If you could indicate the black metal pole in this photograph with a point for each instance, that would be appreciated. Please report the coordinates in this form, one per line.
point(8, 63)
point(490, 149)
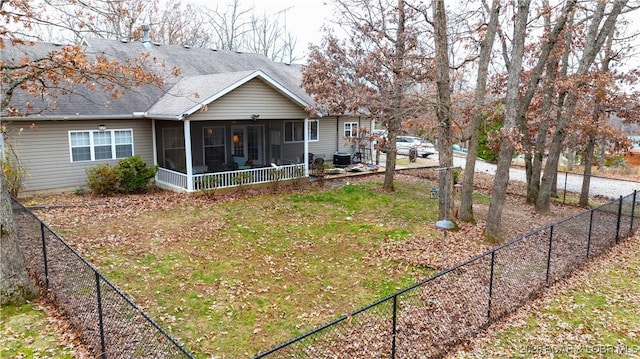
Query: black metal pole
point(44, 256)
point(493, 257)
point(633, 210)
point(590, 228)
point(564, 196)
point(549, 256)
point(619, 217)
point(103, 351)
point(393, 335)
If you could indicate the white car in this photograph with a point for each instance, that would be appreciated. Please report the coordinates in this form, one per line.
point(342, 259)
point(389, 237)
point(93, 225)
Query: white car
point(405, 143)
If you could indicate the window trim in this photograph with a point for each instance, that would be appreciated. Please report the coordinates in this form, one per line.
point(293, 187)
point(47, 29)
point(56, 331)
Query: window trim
point(224, 145)
point(353, 129)
point(284, 130)
point(92, 145)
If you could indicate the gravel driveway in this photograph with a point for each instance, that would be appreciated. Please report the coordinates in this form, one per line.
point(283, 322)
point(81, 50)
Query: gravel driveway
point(606, 187)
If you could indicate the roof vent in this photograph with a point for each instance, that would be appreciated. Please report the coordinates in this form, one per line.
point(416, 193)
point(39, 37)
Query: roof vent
point(146, 38)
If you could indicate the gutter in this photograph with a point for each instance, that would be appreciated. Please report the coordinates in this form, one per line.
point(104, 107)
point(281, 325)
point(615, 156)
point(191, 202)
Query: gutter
point(135, 115)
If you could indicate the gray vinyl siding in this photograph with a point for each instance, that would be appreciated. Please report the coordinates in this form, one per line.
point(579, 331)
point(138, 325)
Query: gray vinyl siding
point(254, 97)
point(44, 151)
point(325, 147)
point(332, 136)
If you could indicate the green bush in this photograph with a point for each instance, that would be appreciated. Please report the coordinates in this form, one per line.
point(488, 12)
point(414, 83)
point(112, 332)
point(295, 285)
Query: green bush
point(14, 173)
point(103, 180)
point(614, 161)
point(134, 175)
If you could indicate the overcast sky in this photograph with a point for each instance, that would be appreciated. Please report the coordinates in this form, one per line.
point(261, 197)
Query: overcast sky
point(304, 18)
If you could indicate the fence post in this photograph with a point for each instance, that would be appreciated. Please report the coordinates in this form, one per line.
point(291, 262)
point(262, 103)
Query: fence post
point(619, 217)
point(549, 256)
point(103, 350)
point(393, 335)
point(44, 256)
point(493, 257)
point(633, 210)
point(564, 196)
point(590, 228)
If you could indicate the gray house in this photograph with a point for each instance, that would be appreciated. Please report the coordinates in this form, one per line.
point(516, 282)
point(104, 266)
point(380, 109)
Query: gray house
point(227, 113)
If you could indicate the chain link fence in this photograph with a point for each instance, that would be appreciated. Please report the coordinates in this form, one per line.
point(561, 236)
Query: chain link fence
point(106, 320)
point(428, 318)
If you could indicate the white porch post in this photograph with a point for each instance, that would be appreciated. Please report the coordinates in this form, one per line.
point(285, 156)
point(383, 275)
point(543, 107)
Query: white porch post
point(153, 142)
point(187, 153)
point(306, 146)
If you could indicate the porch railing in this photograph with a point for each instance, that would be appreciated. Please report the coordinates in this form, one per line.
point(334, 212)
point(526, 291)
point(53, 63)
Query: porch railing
point(217, 180)
point(172, 178)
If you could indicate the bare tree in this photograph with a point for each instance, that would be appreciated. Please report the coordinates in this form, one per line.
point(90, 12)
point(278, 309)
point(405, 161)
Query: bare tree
point(107, 19)
point(230, 25)
point(601, 25)
point(512, 103)
point(269, 37)
point(177, 24)
point(379, 69)
point(516, 105)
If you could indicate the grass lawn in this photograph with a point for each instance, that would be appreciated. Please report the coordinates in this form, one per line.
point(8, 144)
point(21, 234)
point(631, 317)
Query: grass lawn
point(231, 278)
point(26, 332)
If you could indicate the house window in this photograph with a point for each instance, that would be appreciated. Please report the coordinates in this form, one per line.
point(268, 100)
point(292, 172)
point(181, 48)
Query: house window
point(173, 149)
point(100, 145)
point(294, 131)
point(214, 145)
point(350, 129)
point(238, 142)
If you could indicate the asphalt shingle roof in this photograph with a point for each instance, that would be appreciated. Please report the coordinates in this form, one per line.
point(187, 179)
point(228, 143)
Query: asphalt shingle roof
point(202, 71)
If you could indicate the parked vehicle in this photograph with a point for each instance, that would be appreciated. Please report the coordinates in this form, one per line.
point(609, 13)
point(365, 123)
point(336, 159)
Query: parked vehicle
point(404, 144)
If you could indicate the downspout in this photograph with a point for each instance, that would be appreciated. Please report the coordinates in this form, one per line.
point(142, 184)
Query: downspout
point(337, 134)
point(187, 150)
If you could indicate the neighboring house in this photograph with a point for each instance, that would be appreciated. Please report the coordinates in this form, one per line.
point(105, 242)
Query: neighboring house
point(227, 113)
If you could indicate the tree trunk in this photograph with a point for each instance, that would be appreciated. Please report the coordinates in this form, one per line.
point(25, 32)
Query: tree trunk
point(466, 200)
point(398, 91)
point(595, 116)
point(554, 181)
point(543, 204)
point(15, 285)
point(501, 179)
point(390, 161)
point(570, 154)
point(443, 110)
point(533, 168)
point(586, 178)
